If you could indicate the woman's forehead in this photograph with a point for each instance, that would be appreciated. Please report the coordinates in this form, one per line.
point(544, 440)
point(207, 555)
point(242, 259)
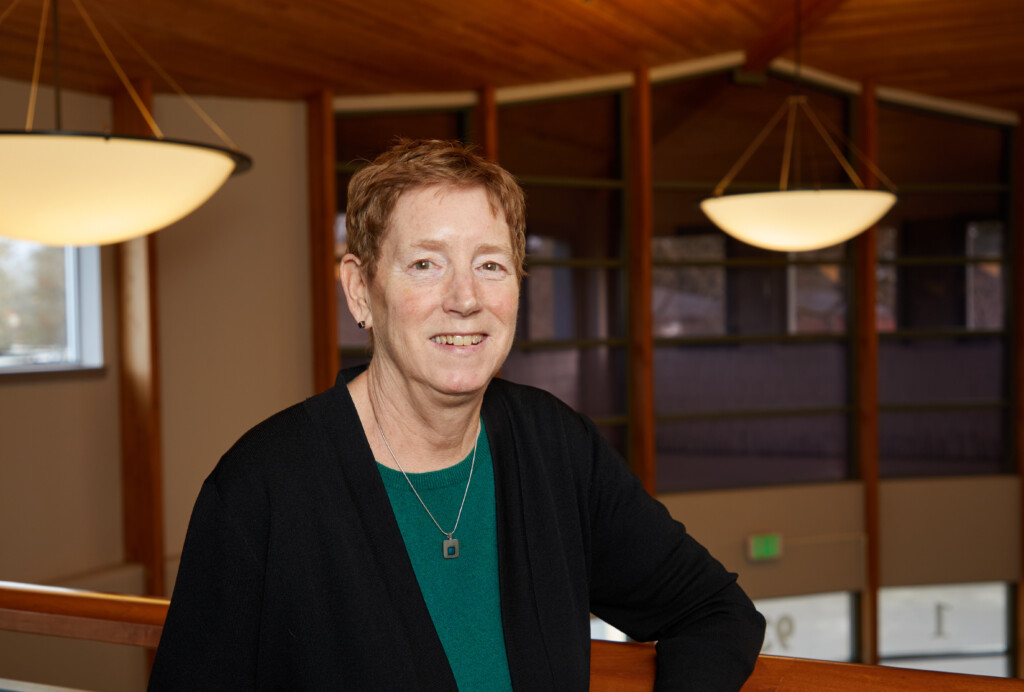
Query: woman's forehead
point(436, 217)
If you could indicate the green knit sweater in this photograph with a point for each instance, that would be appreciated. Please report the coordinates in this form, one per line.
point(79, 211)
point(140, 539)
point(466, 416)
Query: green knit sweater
point(461, 593)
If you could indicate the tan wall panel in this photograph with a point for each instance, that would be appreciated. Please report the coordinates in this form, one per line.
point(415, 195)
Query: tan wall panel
point(821, 528)
point(950, 530)
point(233, 296)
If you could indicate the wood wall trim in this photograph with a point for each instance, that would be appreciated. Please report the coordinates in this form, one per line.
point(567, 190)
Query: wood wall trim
point(866, 382)
point(641, 329)
point(141, 448)
point(487, 122)
point(323, 208)
point(1016, 319)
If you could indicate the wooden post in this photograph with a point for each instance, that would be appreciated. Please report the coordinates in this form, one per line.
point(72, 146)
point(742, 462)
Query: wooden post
point(487, 122)
point(141, 455)
point(865, 384)
point(323, 208)
point(1016, 319)
point(641, 331)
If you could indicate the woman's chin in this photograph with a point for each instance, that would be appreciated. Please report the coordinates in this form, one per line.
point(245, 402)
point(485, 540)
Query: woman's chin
point(463, 383)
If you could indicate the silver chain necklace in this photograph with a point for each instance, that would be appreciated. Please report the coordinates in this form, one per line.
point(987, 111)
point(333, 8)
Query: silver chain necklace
point(450, 546)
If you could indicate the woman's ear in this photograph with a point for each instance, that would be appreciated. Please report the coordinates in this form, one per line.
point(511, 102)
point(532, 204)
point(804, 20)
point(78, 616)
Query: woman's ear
point(357, 289)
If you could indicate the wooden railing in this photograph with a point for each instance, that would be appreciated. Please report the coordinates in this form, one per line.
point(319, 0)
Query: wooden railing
point(614, 667)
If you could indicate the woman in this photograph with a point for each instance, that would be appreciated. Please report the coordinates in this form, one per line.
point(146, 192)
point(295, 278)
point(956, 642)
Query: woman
point(423, 525)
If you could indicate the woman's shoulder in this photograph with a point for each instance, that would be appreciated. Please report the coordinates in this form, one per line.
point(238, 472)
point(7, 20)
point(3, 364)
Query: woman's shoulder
point(281, 449)
point(262, 449)
point(514, 391)
point(534, 408)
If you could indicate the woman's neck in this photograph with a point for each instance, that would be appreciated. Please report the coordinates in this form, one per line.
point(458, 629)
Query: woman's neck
point(423, 432)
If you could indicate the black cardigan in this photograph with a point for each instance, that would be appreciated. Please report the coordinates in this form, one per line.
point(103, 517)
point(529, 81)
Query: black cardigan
point(294, 575)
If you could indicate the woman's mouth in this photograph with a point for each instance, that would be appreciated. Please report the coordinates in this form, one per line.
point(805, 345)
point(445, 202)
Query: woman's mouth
point(458, 339)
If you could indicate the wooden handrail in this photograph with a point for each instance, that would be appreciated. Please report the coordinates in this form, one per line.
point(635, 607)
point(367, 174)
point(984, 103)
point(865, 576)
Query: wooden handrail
point(614, 667)
point(109, 618)
point(617, 667)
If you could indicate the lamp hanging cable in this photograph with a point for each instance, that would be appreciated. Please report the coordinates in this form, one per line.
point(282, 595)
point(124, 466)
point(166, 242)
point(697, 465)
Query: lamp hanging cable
point(157, 132)
point(169, 80)
point(36, 67)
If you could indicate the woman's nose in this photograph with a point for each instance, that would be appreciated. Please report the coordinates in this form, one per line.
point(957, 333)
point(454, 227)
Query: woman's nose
point(462, 293)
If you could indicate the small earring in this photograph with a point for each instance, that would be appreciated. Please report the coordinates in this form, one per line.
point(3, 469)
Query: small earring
point(361, 324)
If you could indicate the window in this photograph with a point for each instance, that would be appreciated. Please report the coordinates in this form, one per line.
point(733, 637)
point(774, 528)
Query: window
point(818, 626)
point(50, 315)
point(957, 628)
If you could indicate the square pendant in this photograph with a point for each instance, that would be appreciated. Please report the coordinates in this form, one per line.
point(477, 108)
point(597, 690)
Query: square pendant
point(450, 548)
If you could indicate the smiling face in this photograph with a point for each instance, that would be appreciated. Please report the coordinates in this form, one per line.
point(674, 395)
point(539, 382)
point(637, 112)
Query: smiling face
point(443, 300)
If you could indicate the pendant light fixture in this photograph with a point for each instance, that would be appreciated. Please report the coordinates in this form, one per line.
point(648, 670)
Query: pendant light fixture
point(61, 187)
point(796, 220)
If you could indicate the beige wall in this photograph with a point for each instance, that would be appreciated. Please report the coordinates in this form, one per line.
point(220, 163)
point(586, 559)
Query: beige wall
point(234, 296)
point(821, 528)
point(933, 531)
point(950, 530)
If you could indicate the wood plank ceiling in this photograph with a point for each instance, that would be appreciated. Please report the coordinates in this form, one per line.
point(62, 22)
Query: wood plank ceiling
point(970, 51)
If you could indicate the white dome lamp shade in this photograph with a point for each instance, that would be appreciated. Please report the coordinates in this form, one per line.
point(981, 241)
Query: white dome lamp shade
point(67, 188)
point(798, 220)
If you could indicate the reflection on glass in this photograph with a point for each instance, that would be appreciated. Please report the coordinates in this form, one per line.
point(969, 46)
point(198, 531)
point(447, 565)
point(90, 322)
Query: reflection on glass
point(936, 282)
point(731, 453)
point(885, 278)
point(562, 302)
point(985, 280)
point(688, 301)
point(817, 299)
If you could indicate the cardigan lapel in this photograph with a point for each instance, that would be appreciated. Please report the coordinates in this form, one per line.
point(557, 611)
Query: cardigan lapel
point(336, 414)
point(530, 664)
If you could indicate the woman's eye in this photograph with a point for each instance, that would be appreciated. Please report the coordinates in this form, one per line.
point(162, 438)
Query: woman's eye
point(492, 266)
point(421, 264)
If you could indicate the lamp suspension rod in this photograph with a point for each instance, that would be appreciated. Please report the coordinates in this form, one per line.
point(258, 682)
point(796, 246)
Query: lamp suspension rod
point(787, 149)
point(58, 120)
point(832, 146)
point(720, 188)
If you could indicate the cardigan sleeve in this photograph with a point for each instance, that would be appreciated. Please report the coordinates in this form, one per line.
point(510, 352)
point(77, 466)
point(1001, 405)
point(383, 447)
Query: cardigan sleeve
point(210, 638)
point(653, 581)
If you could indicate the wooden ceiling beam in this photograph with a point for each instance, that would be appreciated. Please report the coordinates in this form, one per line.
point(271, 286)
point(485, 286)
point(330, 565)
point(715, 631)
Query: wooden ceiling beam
point(781, 35)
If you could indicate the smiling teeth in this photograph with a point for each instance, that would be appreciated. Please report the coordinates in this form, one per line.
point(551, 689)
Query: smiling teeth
point(458, 339)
